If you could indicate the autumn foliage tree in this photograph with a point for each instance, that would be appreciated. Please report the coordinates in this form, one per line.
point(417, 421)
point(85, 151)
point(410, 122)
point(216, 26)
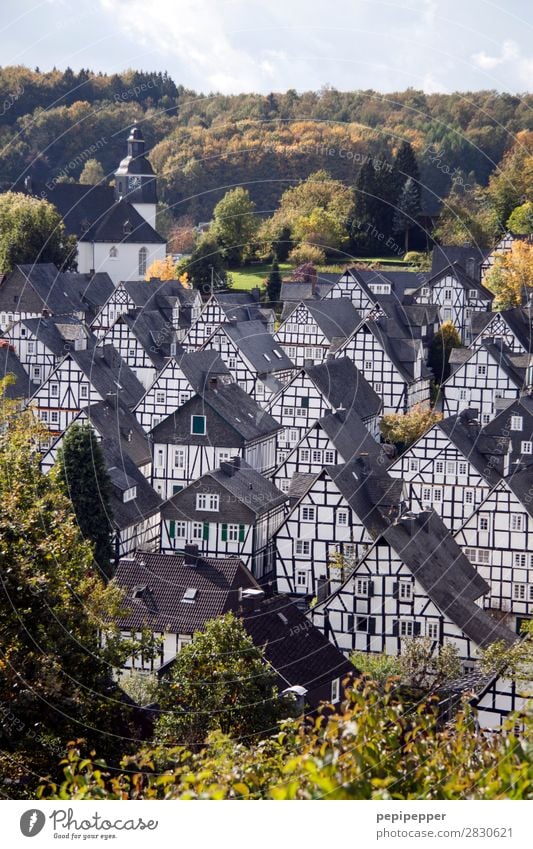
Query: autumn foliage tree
point(161, 269)
point(511, 276)
point(402, 429)
point(444, 341)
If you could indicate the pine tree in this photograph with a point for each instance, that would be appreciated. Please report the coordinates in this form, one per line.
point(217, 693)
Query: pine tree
point(407, 210)
point(405, 166)
point(273, 286)
point(81, 469)
point(367, 224)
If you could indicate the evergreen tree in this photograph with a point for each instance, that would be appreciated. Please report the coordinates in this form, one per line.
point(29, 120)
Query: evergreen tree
point(367, 224)
point(81, 470)
point(405, 166)
point(442, 345)
point(407, 210)
point(205, 267)
point(273, 286)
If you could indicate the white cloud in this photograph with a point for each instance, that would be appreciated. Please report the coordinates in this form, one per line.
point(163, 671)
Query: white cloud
point(509, 52)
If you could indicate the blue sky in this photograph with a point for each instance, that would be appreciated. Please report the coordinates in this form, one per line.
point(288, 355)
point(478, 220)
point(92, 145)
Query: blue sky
point(246, 45)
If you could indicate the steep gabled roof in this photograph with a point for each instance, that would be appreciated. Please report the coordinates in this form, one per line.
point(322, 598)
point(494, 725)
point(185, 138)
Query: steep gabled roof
point(349, 435)
point(200, 366)
point(124, 475)
point(11, 365)
point(165, 578)
point(443, 256)
point(262, 351)
point(482, 450)
point(458, 272)
point(153, 332)
point(105, 369)
point(519, 321)
point(232, 405)
point(298, 652)
point(116, 423)
point(336, 317)
point(121, 224)
point(343, 385)
point(374, 496)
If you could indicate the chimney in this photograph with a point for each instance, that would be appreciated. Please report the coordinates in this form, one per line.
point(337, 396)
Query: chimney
point(425, 520)
point(192, 555)
point(330, 357)
point(213, 383)
point(309, 363)
point(227, 468)
point(408, 521)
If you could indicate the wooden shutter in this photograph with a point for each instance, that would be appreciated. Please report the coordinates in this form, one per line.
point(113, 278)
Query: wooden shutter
point(395, 628)
point(395, 590)
point(224, 532)
point(372, 625)
point(172, 529)
point(305, 403)
point(416, 629)
point(206, 531)
point(371, 588)
point(241, 533)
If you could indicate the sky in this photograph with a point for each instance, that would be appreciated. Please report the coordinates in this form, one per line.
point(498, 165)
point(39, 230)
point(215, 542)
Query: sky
point(235, 46)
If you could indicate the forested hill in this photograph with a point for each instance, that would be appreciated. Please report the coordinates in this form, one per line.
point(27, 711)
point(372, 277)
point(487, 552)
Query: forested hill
point(202, 144)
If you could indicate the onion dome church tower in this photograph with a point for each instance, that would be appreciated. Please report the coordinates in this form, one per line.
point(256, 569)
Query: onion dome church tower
point(135, 180)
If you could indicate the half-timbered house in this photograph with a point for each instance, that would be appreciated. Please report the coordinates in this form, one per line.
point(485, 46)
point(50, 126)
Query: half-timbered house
point(498, 539)
point(254, 357)
point(215, 425)
point(413, 581)
point(41, 290)
point(390, 360)
point(145, 341)
point(452, 467)
point(457, 295)
point(319, 389)
point(41, 343)
point(309, 329)
point(330, 441)
point(486, 379)
point(226, 306)
point(514, 426)
point(233, 510)
point(182, 376)
point(333, 523)
point(514, 327)
point(82, 378)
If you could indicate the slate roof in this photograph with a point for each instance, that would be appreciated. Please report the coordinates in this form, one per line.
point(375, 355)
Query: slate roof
point(343, 385)
point(520, 482)
point(444, 255)
point(78, 205)
point(108, 373)
point(336, 317)
point(262, 351)
point(153, 332)
point(201, 366)
point(434, 558)
point(11, 365)
point(233, 405)
point(116, 423)
point(374, 496)
point(242, 484)
point(166, 578)
point(462, 277)
point(402, 350)
point(59, 333)
point(61, 293)
point(298, 652)
point(121, 224)
point(484, 451)
point(300, 291)
point(242, 306)
point(499, 428)
point(403, 283)
point(519, 320)
point(125, 474)
point(349, 435)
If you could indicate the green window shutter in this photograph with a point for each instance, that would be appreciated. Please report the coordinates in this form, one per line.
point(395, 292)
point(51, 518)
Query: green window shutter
point(241, 533)
point(305, 403)
point(206, 531)
point(224, 532)
point(176, 487)
point(172, 529)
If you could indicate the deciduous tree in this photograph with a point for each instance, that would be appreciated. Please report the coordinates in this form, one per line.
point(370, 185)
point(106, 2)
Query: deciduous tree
point(31, 230)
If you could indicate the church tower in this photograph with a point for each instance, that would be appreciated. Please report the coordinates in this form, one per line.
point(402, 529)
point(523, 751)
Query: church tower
point(135, 180)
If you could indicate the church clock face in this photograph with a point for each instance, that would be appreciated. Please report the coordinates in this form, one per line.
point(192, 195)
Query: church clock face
point(134, 183)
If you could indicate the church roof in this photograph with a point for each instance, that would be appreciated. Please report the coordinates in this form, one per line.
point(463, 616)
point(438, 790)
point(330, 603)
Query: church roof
point(122, 223)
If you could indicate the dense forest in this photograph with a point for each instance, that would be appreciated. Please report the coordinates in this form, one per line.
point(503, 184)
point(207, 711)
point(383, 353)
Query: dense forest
point(201, 144)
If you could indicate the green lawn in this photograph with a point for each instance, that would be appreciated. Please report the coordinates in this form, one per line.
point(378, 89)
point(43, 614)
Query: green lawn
point(249, 276)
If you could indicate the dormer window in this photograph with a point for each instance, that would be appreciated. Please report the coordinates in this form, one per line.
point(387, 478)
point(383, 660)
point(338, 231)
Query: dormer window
point(113, 252)
point(129, 494)
point(128, 229)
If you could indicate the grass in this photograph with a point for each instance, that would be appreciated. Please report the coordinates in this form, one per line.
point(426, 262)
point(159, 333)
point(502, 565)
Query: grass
point(249, 276)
